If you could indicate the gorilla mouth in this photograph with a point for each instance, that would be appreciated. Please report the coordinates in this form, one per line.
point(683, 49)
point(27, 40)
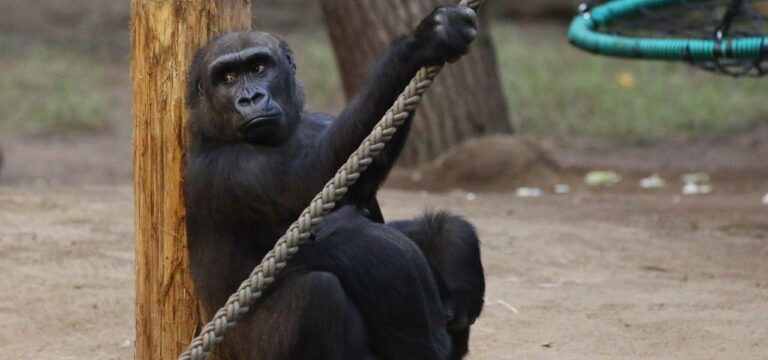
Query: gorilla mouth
point(257, 122)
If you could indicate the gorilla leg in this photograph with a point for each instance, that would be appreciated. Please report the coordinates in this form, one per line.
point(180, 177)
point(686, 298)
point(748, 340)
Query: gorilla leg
point(452, 249)
point(387, 277)
point(308, 316)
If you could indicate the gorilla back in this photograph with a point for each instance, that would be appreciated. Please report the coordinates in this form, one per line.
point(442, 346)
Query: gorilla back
point(256, 159)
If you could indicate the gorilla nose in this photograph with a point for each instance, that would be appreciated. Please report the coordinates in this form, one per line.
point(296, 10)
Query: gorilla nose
point(250, 103)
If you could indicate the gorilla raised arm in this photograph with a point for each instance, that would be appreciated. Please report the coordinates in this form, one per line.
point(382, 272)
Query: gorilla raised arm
point(361, 289)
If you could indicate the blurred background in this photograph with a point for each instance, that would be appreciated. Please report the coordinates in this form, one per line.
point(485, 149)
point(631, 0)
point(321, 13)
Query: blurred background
point(65, 96)
point(621, 204)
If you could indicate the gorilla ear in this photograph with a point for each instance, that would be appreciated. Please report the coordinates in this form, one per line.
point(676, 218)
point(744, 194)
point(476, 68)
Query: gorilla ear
point(194, 90)
point(291, 63)
point(194, 80)
point(288, 53)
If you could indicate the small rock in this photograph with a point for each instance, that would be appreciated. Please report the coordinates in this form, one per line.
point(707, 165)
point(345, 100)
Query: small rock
point(562, 189)
point(696, 189)
point(696, 183)
point(471, 196)
point(765, 199)
point(527, 192)
point(652, 182)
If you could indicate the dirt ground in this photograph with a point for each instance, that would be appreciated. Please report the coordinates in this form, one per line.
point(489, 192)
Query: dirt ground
point(615, 274)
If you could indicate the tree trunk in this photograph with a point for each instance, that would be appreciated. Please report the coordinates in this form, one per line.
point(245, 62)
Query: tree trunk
point(164, 36)
point(466, 100)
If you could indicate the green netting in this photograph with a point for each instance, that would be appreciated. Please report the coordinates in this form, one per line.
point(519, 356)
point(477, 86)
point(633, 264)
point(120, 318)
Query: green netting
point(726, 36)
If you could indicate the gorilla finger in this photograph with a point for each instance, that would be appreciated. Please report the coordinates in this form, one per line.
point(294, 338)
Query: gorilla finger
point(470, 16)
point(441, 18)
point(469, 34)
point(441, 31)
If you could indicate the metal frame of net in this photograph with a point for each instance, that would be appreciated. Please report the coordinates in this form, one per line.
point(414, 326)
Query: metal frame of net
point(724, 36)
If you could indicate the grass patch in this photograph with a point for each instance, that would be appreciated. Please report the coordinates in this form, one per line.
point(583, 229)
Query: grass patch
point(553, 90)
point(45, 90)
point(557, 90)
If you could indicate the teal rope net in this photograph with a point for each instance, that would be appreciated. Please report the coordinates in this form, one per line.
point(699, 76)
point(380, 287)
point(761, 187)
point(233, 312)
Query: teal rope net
point(724, 36)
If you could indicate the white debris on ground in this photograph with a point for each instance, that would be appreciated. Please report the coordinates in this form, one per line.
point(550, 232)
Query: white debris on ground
point(508, 306)
point(528, 192)
point(604, 178)
point(652, 182)
point(696, 184)
point(697, 178)
point(471, 196)
point(561, 189)
point(696, 189)
point(765, 199)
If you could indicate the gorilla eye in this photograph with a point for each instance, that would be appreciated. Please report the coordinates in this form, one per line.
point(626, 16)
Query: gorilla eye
point(259, 69)
point(230, 78)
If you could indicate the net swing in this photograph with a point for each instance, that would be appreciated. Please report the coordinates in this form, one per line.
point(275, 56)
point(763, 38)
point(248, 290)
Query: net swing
point(723, 36)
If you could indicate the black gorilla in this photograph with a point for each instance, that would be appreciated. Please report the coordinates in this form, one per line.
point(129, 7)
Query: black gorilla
point(361, 289)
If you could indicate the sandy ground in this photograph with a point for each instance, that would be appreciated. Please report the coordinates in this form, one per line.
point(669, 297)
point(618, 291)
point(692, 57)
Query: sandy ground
point(611, 274)
point(579, 276)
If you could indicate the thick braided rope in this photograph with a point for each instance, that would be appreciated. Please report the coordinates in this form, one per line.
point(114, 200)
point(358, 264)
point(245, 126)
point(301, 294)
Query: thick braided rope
point(276, 259)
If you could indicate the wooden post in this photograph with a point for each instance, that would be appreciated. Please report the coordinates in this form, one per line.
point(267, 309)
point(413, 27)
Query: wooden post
point(164, 36)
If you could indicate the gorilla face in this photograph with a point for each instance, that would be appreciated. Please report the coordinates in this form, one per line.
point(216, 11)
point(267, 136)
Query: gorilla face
point(245, 90)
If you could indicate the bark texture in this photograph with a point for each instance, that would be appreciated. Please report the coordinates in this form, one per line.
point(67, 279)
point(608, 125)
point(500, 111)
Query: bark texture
point(164, 36)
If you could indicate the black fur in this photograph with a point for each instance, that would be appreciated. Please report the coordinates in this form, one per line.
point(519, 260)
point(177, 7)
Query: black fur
point(452, 250)
point(361, 289)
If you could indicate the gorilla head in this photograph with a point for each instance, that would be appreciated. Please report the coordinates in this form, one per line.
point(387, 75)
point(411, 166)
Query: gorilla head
point(247, 80)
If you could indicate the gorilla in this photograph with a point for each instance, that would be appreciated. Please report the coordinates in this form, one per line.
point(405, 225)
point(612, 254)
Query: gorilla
point(361, 288)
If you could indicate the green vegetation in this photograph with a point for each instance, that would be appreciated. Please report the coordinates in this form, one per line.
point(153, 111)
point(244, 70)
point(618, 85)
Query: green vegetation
point(557, 90)
point(45, 90)
point(553, 91)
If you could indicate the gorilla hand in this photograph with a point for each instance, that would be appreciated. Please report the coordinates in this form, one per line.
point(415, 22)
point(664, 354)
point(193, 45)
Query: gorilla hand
point(445, 34)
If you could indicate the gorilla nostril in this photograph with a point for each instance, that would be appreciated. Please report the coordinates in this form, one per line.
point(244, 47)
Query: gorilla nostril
point(250, 98)
point(244, 102)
